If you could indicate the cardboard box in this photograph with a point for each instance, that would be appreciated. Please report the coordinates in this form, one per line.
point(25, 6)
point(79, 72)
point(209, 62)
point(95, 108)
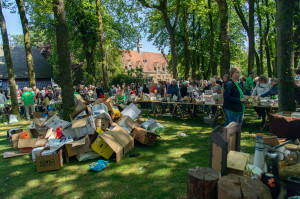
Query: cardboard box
point(236, 162)
point(102, 148)
point(78, 147)
point(12, 154)
point(119, 141)
point(55, 122)
point(127, 123)
point(107, 101)
point(37, 115)
point(78, 99)
point(38, 122)
point(144, 136)
point(15, 139)
point(131, 111)
point(115, 113)
point(48, 162)
point(26, 143)
point(209, 92)
point(80, 128)
point(102, 123)
point(85, 108)
point(98, 109)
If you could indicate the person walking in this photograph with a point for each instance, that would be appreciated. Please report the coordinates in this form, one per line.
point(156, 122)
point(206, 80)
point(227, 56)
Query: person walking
point(249, 86)
point(234, 100)
point(28, 99)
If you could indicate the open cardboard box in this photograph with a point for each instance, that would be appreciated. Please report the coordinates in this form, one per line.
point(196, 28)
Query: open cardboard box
point(78, 147)
point(127, 123)
point(80, 128)
point(118, 140)
point(48, 162)
point(107, 101)
point(37, 140)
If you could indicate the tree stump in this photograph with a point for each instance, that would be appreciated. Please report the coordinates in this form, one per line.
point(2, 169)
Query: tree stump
point(236, 187)
point(202, 183)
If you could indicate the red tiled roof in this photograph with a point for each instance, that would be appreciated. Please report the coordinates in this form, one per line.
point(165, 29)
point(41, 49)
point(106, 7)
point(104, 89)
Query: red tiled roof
point(152, 59)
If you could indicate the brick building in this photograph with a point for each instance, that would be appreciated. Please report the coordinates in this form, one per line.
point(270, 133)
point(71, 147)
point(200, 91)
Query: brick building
point(154, 64)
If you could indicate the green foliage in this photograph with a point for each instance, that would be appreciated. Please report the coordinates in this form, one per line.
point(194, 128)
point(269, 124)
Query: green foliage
point(131, 76)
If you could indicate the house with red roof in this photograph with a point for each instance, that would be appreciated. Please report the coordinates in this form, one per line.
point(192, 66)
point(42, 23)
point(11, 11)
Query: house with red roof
point(154, 64)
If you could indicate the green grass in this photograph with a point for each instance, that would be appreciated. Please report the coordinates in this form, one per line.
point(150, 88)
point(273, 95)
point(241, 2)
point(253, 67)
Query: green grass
point(163, 174)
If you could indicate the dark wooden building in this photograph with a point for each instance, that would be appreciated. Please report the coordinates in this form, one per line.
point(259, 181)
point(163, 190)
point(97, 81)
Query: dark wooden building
point(43, 70)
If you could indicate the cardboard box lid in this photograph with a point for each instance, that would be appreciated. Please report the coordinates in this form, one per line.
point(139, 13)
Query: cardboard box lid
point(132, 111)
point(41, 142)
point(50, 134)
point(237, 160)
point(24, 143)
point(119, 141)
point(99, 109)
point(80, 99)
point(84, 108)
point(79, 142)
point(80, 105)
point(79, 123)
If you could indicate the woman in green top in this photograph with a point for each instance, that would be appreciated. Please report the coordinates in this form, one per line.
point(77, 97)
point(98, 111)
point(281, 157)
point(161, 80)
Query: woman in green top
point(121, 98)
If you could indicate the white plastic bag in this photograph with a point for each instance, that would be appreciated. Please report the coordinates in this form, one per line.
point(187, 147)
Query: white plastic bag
point(13, 119)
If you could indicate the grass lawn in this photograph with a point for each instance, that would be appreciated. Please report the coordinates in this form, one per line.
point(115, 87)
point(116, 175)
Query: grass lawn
point(160, 171)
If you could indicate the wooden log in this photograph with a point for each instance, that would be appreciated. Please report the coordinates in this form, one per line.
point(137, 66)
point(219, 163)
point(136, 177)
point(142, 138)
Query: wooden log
point(236, 187)
point(202, 183)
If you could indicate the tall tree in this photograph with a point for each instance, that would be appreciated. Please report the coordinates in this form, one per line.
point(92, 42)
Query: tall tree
point(162, 7)
point(260, 68)
point(284, 25)
point(103, 50)
point(212, 62)
point(251, 41)
point(250, 33)
point(9, 66)
point(64, 58)
point(224, 36)
point(186, 40)
point(266, 40)
point(27, 41)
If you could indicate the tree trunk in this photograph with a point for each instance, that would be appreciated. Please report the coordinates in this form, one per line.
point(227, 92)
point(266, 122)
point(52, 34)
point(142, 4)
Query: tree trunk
point(284, 27)
point(273, 60)
point(27, 41)
point(297, 35)
point(212, 62)
point(103, 50)
point(194, 63)
point(64, 62)
point(186, 41)
point(224, 37)
point(251, 42)
point(90, 61)
point(9, 66)
point(260, 65)
point(266, 38)
point(162, 7)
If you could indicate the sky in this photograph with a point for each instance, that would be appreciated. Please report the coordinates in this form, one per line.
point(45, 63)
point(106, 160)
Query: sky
point(14, 27)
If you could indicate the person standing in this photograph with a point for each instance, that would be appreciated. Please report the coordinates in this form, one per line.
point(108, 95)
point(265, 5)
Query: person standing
point(99, 91)
point(234, 100)
point(28, 101)
point(297, 86)
point(249, 84)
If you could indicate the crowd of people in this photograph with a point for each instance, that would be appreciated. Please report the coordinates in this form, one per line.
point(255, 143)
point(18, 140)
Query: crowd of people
point(235, 89)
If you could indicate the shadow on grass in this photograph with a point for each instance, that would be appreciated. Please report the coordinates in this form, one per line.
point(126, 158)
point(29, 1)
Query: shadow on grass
point(160, 171)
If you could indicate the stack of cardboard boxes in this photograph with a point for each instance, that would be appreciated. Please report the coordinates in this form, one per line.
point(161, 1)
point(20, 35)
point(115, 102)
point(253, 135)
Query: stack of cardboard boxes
point(96, 130)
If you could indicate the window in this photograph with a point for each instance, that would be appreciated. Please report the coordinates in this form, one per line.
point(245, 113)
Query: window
point(126, 67)
point(158, 80)
point(130, 67)
point(167, 80)
point(158, 69)
point(154, 68)
point(163, 69)
point(145, 61)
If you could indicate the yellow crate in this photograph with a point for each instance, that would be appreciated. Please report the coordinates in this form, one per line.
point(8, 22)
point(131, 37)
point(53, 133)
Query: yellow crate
point(98, 130)
point(100, 147)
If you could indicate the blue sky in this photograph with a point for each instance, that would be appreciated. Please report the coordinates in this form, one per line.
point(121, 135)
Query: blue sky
point(14, 27)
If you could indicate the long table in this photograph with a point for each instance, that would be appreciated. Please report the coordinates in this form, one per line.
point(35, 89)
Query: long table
point(160, 107)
